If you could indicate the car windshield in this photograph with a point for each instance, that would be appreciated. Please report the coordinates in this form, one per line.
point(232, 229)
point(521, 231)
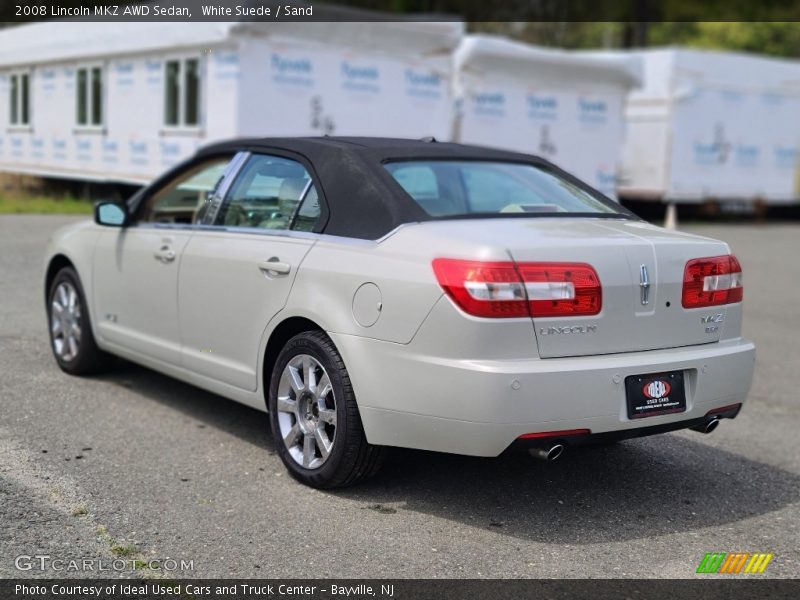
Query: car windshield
point(445, 188)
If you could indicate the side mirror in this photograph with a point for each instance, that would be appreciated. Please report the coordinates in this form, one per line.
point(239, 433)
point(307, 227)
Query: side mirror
point(110, 214)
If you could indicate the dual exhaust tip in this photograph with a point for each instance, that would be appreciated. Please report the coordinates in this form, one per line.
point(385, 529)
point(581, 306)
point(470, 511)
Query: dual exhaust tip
point(552, 452)
point(548, 453)
point(708, 426)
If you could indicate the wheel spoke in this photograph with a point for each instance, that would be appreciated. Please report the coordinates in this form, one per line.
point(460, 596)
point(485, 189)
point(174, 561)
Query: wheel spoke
point(73, 346)
point(286, 404)
point(56, 327)
point(294, 380)
point(73, 298)
point(323, 387)
point(57, 307)
point(61, 292)
point(327, 416)
point(308, 450)
point(323, 443)
point(309, 373)
point(293, 437)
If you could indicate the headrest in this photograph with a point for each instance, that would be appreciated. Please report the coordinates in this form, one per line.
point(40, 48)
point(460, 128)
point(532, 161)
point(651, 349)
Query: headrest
point(291, 189)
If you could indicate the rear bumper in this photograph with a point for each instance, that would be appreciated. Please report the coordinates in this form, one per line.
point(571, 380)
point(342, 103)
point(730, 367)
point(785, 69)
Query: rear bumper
point(726, 412)
point(411, 398)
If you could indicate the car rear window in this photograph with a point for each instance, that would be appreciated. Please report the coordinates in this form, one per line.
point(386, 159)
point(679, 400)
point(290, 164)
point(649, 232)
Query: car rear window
point(445, 188)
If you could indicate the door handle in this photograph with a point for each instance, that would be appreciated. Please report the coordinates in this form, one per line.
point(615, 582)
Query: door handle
point(274, 266)
point(165, 254)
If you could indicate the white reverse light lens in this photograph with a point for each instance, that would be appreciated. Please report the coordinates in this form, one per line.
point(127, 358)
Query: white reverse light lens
point(550, 290)
point(484, 290)
point(713, 283)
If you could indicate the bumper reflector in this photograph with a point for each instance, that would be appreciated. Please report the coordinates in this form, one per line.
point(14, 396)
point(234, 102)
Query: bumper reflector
point(554, 434)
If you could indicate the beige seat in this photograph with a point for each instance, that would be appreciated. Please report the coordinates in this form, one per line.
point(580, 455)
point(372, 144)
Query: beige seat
point(288, 198)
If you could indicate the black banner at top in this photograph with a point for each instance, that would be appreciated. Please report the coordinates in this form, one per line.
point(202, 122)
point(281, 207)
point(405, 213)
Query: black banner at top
point(186, 11)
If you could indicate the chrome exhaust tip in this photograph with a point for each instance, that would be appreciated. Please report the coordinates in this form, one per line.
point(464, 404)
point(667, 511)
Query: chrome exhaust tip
point(547, 452)
point(708, 426)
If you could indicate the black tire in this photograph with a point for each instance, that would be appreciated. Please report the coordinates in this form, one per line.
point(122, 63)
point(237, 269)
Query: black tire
point(351, 458)
point(88, 359)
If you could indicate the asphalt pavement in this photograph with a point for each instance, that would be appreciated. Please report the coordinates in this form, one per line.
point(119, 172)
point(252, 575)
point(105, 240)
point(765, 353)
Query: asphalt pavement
point(136, 466)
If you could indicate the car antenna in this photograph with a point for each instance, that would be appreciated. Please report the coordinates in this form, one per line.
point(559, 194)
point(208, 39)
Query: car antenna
point(429, 139)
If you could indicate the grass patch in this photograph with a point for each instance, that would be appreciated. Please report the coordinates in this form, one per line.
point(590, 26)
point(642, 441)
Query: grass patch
point(43, 205)
point(120, 550)
point(117, 549)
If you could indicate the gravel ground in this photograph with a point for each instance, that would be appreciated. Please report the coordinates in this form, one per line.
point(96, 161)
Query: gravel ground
point(138, 466)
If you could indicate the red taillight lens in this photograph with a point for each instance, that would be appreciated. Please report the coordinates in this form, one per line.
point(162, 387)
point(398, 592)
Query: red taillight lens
point(507, 289)
point(561, 289)
point(712, 281)
point(483, 289)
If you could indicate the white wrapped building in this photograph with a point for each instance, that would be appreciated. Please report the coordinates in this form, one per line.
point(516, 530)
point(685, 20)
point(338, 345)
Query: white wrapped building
point(123, 101)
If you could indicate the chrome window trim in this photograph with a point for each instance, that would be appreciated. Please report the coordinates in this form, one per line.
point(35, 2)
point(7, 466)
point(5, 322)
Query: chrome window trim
point(165, 226)
point(291, 233)
point(218, 199)
point(223, 229)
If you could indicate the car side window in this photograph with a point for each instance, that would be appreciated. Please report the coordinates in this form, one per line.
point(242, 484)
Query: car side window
point(185, 198)
point(309, 211)
point(271, 192)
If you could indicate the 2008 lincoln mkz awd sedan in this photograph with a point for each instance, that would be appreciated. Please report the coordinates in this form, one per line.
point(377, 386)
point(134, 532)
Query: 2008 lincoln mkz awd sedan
point(379, 292)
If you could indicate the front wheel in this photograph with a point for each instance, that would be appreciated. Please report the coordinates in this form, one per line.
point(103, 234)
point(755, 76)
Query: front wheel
point(314, 416)
point(71, 339)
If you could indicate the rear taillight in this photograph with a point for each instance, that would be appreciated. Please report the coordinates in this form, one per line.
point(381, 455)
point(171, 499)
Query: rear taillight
point(712, 281)
point(561, 289)
point(483, 289)
point(507, 289)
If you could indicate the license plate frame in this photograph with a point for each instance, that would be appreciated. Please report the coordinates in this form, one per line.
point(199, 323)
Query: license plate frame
point(655, 394)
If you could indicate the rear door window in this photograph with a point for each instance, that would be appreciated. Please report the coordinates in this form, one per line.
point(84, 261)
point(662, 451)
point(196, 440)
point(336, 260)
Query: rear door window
point(271, 192)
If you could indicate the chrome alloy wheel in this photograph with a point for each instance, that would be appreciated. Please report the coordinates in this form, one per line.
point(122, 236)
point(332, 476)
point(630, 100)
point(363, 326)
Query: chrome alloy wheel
point(65, 321)
point(306, 411)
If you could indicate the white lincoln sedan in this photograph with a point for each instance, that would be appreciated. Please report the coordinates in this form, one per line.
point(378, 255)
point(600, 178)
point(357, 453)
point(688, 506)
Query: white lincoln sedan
point(377, 292)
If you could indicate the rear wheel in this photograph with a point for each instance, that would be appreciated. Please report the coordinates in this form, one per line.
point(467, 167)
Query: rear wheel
point(71, 339)
point(314, 416)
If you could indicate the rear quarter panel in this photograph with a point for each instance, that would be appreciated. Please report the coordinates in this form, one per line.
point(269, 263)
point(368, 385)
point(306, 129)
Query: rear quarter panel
point(334, 270)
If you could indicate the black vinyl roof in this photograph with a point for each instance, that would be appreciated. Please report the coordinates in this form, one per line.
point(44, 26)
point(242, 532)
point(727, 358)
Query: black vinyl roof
point(363, 199)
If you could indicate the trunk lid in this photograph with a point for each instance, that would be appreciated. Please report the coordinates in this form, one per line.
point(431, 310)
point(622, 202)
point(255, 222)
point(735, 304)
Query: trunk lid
point(621, 252)
point(616, 249)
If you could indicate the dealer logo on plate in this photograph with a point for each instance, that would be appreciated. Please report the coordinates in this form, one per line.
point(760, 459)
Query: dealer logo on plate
point(656, 389)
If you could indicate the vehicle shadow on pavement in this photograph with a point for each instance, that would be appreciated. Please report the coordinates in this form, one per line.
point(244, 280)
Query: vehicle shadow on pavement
point(635, 489)
point(212, 410)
